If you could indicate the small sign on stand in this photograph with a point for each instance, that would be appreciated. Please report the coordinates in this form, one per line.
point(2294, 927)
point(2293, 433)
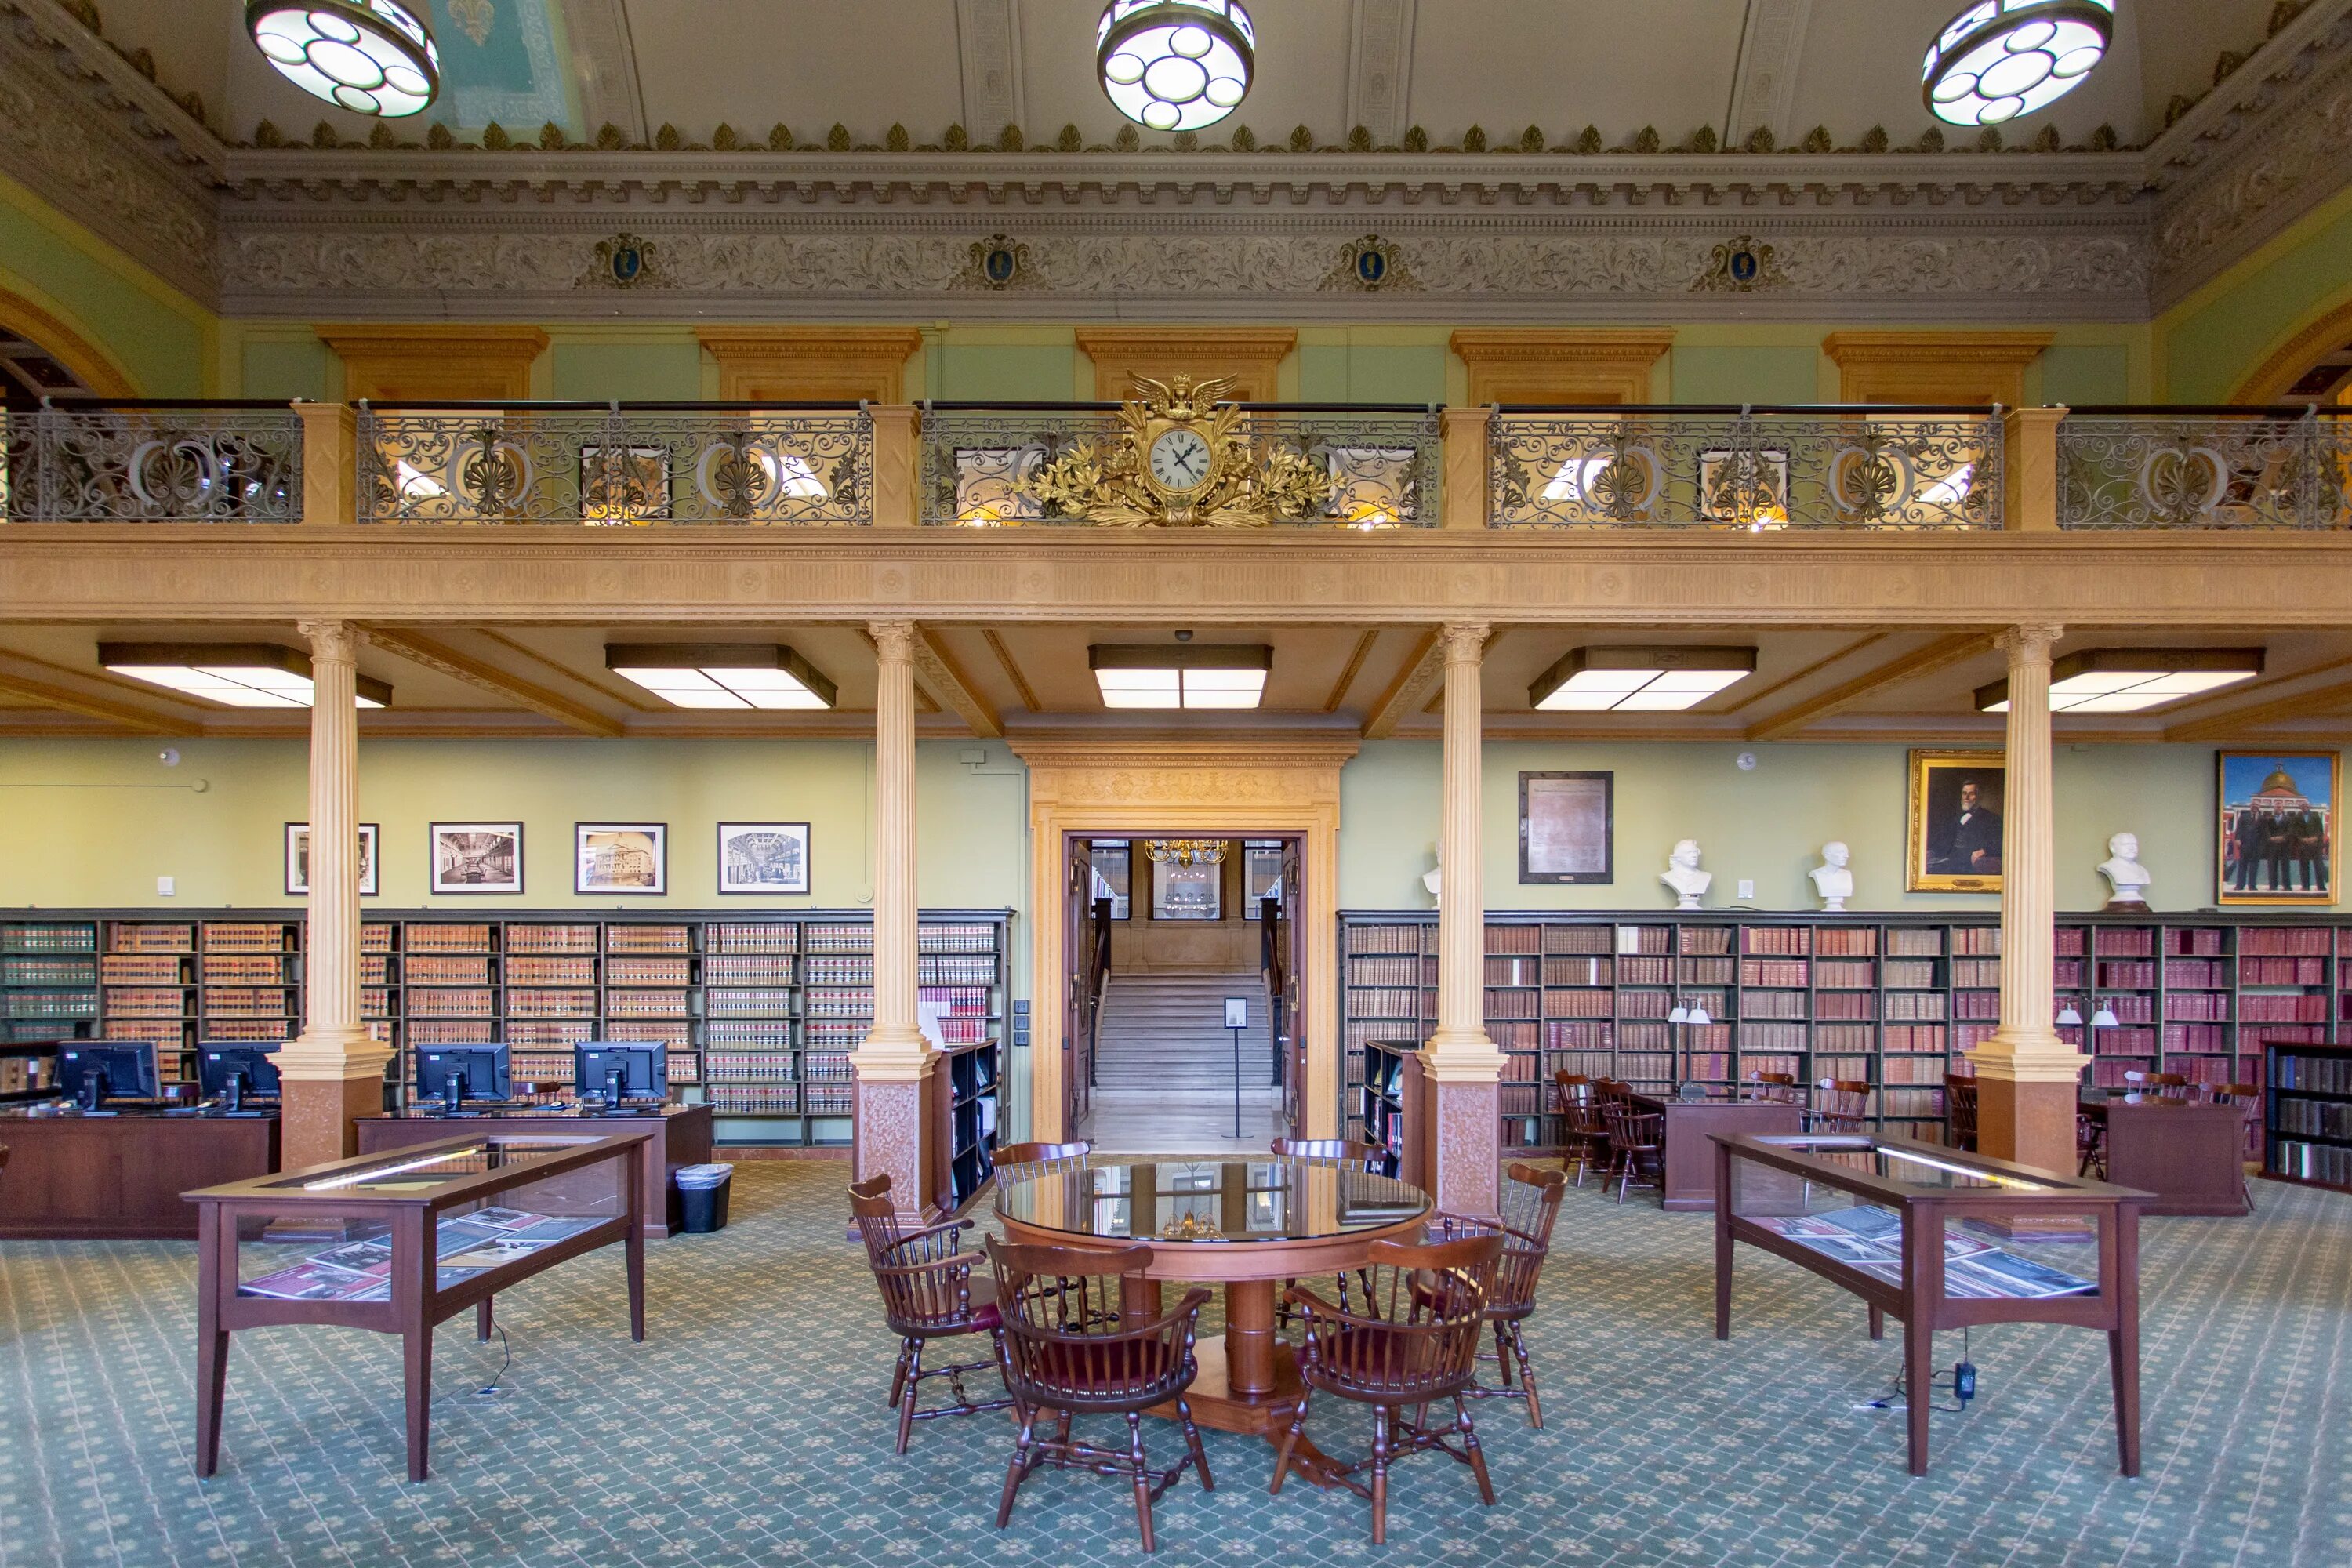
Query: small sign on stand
point(1237, 1020)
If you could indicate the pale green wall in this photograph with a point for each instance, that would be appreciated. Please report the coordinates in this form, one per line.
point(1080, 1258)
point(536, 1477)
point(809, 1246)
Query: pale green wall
point(1732, 372)
point(1007, 372)
point(632, 372)
point(1766, 825)
point(2216, 339)
point(162, 338)
point(65, 841)
point(290, 367)
point(2082, 374)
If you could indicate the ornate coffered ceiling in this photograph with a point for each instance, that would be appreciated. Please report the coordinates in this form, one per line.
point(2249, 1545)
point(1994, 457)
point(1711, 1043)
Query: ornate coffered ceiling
point(1529, 224)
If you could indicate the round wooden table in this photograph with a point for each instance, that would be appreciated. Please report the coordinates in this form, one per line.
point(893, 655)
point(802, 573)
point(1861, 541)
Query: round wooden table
point(1245, 1224)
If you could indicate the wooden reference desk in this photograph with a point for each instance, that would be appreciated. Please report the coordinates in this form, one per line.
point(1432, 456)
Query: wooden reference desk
point(2192, 1156)
point(118, 1174)
point(680, 1133)
point(399, 1242)
point(1691, 1125)
point(1942, 1239)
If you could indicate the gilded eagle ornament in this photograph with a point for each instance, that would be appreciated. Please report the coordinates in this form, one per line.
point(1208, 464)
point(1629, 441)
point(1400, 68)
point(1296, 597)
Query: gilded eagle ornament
point(1183, 459)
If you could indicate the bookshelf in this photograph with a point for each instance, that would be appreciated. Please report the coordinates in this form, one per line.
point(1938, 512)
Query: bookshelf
point(759, 1013)
point(2307, 1115)
point(1892, 1000)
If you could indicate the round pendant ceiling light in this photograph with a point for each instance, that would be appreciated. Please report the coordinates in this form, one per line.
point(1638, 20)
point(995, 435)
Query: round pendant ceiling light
point(1175, 65)
point(2001, 59)
point(372, 56)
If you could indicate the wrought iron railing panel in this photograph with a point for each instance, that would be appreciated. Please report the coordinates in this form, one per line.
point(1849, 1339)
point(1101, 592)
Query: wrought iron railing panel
point(1383, 463)
point(616, 464)
point(152, 462)
point(1745, 469)
point(2205, 468)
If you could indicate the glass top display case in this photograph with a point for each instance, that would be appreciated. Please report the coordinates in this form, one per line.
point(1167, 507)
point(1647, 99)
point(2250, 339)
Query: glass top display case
point(1940, 1238)
point(398, 1241)
point(1213, 1201)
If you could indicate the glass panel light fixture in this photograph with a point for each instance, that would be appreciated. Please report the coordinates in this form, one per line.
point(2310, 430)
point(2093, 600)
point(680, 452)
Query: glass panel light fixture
point(1184, 675)
point(235, 675)
point(1175, 65)
point(371, 56)
point(1630, 679)
point(2001, 59)
point(2130, 680)
point(721, 675)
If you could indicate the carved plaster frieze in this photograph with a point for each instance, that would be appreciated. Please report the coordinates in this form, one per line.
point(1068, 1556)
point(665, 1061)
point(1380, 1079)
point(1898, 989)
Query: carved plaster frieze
point(747, 267)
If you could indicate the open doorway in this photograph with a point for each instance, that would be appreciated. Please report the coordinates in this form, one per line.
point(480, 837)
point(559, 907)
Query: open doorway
point(1183, 986)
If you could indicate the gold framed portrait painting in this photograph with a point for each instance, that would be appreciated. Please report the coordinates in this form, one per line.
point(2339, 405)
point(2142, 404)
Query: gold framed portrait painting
point(2275, 839)
point(1956, 809)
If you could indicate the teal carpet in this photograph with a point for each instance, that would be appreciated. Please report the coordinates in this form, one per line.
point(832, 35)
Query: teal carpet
point(750, 1427)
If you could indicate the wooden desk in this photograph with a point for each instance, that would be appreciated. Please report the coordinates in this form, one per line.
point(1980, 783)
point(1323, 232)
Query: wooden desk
point(116, 1177)
point(311, 1232)
point(1691, 1127)
point(681, 1136)
point(2192, 1156)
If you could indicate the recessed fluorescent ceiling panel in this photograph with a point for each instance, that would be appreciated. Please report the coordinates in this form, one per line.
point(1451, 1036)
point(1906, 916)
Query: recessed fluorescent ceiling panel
point(721, 675)
point(1180, 675)
point(2129, 679)
point(235, 675)
point(1634, 680)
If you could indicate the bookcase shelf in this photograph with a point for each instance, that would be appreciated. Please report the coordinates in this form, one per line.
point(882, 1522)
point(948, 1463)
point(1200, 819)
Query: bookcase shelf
point(2307, 1115)
point(1894, 1000)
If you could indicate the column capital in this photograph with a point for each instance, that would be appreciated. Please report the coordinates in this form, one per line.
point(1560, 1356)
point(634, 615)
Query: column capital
point(2028, 644)
point(1464, 641)
point(893, 640)
point(332, 639)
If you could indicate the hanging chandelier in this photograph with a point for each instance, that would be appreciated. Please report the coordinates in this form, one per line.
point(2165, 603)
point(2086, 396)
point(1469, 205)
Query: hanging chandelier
point(2001, 59)
point(1175, 65)
point(372, 56)
point(1186, 851)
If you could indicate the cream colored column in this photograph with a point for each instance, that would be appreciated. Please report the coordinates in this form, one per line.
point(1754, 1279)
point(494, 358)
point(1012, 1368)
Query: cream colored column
point(1465, 432)
point(2026, 1073)
point(1461, 1063)
point(894, 1063)
point(2029, 486)
point(333, 1072)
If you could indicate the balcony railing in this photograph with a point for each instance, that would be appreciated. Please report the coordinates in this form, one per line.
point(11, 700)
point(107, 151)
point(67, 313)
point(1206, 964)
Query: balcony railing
point(2173, 467)
point(1381, 460)
point(1750, 469)
point(777, 465)
point(155, 461)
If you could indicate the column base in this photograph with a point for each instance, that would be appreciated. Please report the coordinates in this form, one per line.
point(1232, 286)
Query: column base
point(1463, 1143)
point(2027, 1087)
point(316, 1117)
point(896, 1128)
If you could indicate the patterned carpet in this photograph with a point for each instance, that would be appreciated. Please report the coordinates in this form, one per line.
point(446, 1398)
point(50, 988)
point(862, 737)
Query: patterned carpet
point(750, 1428)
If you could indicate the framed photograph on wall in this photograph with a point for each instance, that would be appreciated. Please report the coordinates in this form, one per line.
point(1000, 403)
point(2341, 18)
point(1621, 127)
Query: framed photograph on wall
point(477, 858)
point(763, 857)
point(1955, 837)
point(620, 858)
point(298, 859)
point(2276, 836)
point(1568, 827)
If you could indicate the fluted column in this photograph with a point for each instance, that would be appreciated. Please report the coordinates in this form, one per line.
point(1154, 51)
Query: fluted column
point(333, 1072)
point(897, 1112)
point(2026, 1073)
point(1460, 1063)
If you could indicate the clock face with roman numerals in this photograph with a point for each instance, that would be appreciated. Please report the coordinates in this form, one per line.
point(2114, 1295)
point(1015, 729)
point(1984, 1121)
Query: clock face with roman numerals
point(1180, 460)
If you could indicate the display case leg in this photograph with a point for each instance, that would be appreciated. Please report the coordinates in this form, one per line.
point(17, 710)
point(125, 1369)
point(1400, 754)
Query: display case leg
point(1918, 1388)
point(416, 1355)
point(482, 1324)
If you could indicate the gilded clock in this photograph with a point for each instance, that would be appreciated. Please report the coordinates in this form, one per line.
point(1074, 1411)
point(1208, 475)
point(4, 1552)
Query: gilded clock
point(1181, 460)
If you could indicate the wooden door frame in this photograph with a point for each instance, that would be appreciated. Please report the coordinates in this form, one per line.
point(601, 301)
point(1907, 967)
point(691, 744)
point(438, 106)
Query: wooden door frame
point(1266, 786)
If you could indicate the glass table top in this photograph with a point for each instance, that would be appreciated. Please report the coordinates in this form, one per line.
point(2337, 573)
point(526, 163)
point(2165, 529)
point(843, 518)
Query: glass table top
point(420, 1171)
point(1947, 1170)
point(1212, 1200)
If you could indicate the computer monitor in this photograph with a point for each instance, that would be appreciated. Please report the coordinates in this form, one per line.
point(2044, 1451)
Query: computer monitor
point(234, 1073)
point(643, 1067)
point(454, 1074)
point(95, 1071)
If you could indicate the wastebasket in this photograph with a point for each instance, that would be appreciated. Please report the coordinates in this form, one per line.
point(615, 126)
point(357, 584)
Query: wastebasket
point(700, 1194)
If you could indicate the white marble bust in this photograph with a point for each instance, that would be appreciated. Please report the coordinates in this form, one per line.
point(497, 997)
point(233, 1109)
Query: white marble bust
point(2124, 873)
point(1831, 878)
point(1683, 875)
point(1434, 878)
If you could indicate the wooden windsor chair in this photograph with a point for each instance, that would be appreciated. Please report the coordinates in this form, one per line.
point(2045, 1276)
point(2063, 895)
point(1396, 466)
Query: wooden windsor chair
point(1344, 1153)
point(1842, 1106)
point(927, 1293)
point(1637, 1143)
point(1410, 1343)
point(1069, 1348)
point(2248, 1098)
point(1961, 1112)
point(1779, 1087)
point(1583, 1140)
point(1531, 1197)
point(1017, 1162)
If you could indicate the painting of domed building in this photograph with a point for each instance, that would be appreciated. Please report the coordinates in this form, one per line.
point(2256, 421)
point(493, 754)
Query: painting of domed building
point(622, 858)
point(2277, 827)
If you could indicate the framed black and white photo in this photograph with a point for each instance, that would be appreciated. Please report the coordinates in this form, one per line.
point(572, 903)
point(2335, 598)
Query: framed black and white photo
point(1568, 827)
point(763, 857)
point(477, 858)
point(298, 859)
point(620, 858)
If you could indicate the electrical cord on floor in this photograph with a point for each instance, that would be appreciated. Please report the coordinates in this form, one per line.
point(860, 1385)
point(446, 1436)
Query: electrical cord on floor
point(489, 1389)
point(1960, 1383)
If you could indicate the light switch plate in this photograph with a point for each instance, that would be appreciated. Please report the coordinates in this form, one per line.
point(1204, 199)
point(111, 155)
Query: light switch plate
point(1747, 890)
point(166, 886)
